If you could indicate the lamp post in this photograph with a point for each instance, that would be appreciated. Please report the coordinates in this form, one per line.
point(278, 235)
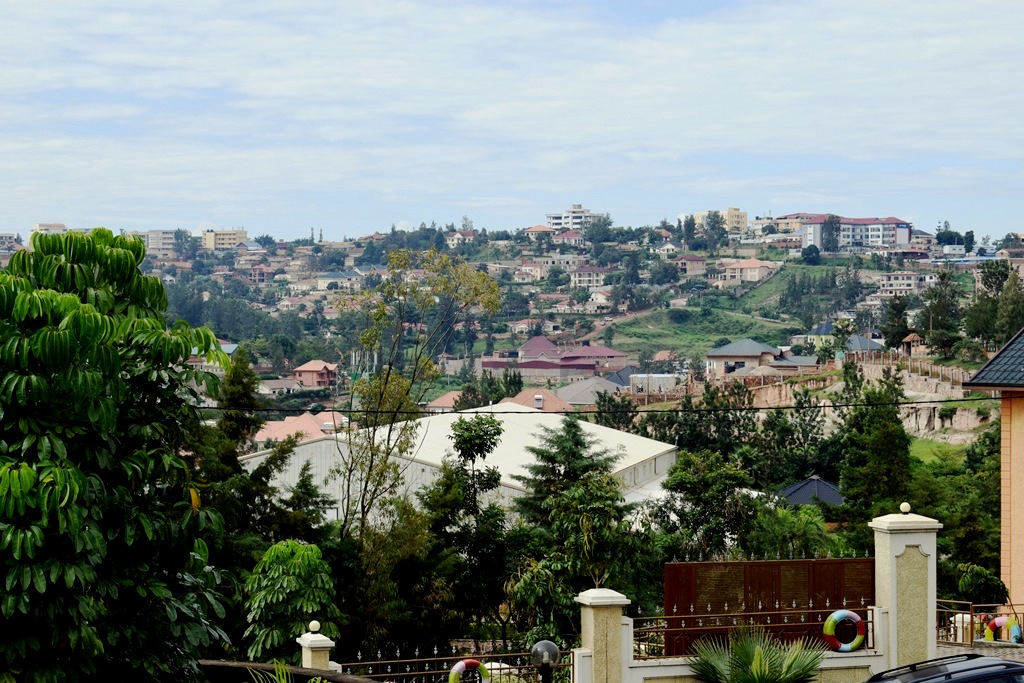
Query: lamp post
point(545, 655)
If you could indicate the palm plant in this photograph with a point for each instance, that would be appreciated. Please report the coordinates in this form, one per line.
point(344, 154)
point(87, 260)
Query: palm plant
point(752, 655)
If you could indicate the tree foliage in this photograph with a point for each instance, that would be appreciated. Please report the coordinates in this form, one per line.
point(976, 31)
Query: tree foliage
point(99, 523)
point(290, 586)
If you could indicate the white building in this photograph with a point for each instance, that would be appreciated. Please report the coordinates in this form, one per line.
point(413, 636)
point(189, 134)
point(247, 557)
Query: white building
point(641, 465)
point(573, 218)
point(854, 233)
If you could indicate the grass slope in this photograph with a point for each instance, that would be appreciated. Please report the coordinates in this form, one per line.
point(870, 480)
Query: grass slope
point(686, 331)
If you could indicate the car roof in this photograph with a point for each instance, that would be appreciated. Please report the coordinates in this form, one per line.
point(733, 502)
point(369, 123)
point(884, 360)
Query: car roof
point(955, 667)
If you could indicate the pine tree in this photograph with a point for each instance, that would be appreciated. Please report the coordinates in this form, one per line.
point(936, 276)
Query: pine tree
point(564, 457)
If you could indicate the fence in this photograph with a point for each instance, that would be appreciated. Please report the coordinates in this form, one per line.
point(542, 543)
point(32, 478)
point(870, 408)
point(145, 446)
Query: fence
point(502, 667)
point(790, 597)
point(963, 623)
point(675, 636)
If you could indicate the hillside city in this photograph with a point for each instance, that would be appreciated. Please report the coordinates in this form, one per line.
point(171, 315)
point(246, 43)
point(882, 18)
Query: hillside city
point(441, 435)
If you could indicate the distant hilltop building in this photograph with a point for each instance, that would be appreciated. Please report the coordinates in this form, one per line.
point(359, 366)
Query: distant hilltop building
point(224, 240)
point(854, 233)
point(735, 220)
point(573, 218)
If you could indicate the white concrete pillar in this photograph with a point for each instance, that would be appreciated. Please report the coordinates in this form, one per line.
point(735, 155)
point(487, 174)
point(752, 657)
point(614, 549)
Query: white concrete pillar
point(316, 648)
point(905, 580)
point(601, 633)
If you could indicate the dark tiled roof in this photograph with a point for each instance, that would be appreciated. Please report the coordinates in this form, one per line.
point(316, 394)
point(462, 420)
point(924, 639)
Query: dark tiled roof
point(808, 491)
point(1005, 369)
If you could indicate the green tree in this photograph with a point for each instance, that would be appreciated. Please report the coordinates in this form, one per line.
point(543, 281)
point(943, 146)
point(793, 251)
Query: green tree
point(470, 544)
point(592, 540)
point(714, 231)
point(994, 275)
point(830, 234)
point(942, 312)
point(99, 523)
point(617, 411)
point(875, 474)
point(564, 456)
point(783, 531)
point(290, 586)
point(705, 503)
point(811, 255)
point(894, 325)
point(511, 381)
point(1010, 310)
point(186, 245)
point(689, 231)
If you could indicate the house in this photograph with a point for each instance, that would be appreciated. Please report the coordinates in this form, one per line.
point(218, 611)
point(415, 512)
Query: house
point(811, 490)
point(668, 249)
point(583, 395)
point(539, 399)
point(306, 426)
point(569, 238)
point(538, 347)
point(278, 387)
point(749, 270)
point(445, 403)
point(316, 373)
point(739, 354)
point(538, 231)
point(690, 265)
point(459, 237)
point(345, 280)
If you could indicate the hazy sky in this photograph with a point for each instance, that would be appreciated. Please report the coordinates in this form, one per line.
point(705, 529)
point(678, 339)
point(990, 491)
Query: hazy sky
point(351, 116)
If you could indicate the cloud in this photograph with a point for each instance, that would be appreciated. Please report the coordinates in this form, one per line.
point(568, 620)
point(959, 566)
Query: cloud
point(203, 109)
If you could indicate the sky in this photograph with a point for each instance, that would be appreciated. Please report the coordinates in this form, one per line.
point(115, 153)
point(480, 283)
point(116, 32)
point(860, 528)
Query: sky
point(348, 117)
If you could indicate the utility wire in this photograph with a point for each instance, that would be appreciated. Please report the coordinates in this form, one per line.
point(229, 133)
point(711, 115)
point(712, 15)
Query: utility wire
point(638, 409)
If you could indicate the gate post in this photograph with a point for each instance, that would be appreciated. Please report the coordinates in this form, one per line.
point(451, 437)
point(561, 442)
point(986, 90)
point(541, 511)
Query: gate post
point(905, 580)
point(601, 633)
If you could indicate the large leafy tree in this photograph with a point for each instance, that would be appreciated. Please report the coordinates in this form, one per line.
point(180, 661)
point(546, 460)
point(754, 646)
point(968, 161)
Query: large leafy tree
point(100, 553)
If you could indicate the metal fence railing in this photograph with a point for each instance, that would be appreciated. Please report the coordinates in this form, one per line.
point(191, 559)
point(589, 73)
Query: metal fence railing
point(964, 623)
point(513, 667)
point(675, 636)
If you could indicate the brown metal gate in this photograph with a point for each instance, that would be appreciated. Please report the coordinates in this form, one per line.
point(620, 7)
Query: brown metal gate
point(791, 598)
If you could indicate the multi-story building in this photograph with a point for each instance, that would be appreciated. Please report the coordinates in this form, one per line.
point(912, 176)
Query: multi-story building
point(224, 240)
point(904, 282)
point(588, 276)
point(573, 218)
point(8, 240)
point(855, 233)
point(735, 220)
point(160, 243)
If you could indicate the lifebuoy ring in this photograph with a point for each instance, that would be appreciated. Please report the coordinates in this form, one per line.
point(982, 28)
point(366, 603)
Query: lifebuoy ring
point(830, 630)
point(468, 665)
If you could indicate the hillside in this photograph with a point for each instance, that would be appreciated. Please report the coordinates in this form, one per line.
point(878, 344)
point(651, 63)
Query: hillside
point(685, 331)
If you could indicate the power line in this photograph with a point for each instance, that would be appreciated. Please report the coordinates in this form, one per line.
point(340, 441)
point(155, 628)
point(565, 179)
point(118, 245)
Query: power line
point(657, 411)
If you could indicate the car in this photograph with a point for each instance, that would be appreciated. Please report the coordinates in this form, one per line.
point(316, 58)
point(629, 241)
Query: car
point(967, 668)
